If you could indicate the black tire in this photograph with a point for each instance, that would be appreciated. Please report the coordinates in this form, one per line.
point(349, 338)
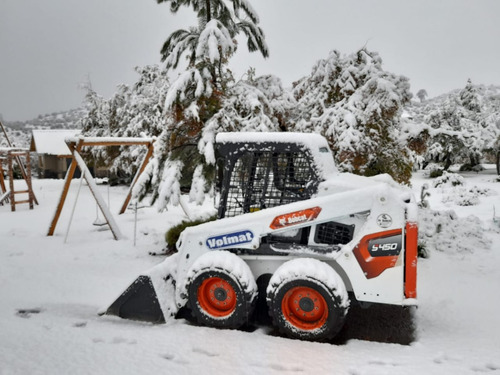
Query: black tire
point(218, 300)
point(261, 314)
point(306, 309)
point(498, 163)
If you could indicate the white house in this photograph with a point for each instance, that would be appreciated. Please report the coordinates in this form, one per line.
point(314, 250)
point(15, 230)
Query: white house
point(54, 155)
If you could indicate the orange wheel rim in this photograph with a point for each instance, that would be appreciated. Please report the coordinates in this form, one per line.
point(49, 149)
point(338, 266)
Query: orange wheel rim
point(305, 308)
point(217, 297)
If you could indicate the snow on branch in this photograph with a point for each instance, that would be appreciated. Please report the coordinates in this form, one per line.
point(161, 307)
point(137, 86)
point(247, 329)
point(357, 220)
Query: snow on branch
point(179, 42)
point(214, 42)
point(170, 189)
point(189, 79)
point(197, 192)
point(249, 10)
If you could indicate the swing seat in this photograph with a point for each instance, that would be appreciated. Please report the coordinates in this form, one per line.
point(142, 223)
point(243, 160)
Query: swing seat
point(100, 223)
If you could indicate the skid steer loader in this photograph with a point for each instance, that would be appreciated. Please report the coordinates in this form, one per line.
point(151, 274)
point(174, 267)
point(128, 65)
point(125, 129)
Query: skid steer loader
point(290, 228)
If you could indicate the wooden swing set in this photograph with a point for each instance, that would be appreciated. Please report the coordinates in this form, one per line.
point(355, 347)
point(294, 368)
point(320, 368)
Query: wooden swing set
point(7, 156)
point(76, 145)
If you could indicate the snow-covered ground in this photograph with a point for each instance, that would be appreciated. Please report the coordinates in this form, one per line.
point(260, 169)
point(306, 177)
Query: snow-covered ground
point(51, 291)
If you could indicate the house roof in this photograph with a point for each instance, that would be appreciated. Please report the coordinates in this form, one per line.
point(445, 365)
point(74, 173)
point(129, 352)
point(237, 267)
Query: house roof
point(51, 141)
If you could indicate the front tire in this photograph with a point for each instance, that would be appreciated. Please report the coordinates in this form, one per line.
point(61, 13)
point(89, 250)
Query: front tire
point(220, 297)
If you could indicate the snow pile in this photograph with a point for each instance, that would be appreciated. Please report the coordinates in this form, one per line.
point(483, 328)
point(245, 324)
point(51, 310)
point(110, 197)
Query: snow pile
point(445, 231)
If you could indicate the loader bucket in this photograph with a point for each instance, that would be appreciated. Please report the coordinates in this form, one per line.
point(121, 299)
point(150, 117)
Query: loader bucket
point(138, 302)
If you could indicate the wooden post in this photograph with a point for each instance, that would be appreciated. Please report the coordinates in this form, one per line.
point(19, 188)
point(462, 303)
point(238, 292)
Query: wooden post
point(11, 182)
point(4, 193)
point(31, 195)
point(2, 181)
point(136, 177)
point(67, 182)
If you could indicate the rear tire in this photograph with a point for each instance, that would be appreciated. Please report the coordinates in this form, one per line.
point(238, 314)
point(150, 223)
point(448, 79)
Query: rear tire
point(307, 307)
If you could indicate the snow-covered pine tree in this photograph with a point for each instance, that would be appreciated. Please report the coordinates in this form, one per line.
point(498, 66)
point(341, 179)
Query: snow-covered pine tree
point(357, 105)
point(469, 98)
point(479, 128)
point(198, 94)
point(447, 141)
point(252, 104)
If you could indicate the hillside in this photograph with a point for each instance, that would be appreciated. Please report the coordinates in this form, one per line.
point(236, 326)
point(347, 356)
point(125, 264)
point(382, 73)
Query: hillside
point(19, 132)
point(489, 99)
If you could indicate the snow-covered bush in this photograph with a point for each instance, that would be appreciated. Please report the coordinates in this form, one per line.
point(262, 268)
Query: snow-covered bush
point(433, 170)
point(448, 179)
point(458, 127)
point(445, 231)
point(461, 197)
point(471, 168)
point(482, 191)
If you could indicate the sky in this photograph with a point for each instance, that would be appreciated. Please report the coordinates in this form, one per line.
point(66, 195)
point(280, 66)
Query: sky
point(49, 49)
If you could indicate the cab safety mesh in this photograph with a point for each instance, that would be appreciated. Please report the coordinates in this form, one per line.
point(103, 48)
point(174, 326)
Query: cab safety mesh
point(263, 180)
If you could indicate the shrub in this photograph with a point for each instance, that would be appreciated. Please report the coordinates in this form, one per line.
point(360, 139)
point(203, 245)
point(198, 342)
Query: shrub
point(173, 234)
point(448, 179)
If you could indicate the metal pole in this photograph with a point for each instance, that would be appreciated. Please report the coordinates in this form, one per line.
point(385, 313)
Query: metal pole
point(135, 223)
point(73, 210)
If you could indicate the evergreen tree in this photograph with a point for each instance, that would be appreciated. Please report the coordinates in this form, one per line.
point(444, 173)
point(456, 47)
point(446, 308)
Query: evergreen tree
point(357, 106)
point(461, 131)
point(469, 98)
point(197, 95)
point(422, 94)
point(447, 143)
point(253, 104)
